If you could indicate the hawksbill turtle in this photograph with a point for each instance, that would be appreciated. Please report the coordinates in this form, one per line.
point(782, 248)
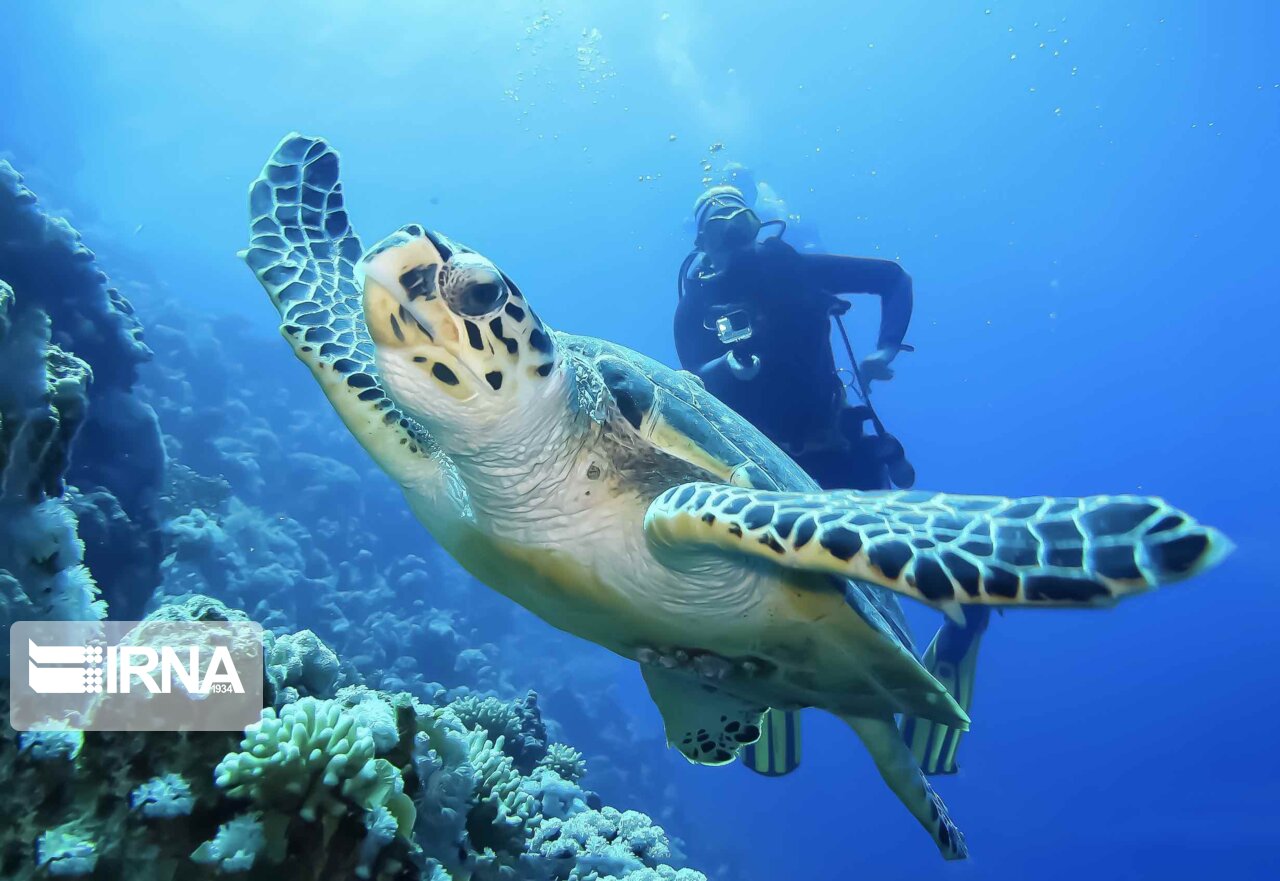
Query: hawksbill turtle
point(619, 501)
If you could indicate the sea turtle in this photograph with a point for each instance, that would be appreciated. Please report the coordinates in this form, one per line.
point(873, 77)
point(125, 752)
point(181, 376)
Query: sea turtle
point(619, 501)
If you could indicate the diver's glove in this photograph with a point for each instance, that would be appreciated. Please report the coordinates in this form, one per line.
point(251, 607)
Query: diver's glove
point(875, 367)
point(742, 371)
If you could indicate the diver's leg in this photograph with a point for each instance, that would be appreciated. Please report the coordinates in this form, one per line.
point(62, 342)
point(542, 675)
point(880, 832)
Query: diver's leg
point(864, 466)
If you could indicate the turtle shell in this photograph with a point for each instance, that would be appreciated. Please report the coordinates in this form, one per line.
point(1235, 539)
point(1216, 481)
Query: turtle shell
point(672, 410)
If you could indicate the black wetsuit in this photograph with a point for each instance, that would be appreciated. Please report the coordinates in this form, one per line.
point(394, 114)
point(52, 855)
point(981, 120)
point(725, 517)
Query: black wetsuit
point(788, 298)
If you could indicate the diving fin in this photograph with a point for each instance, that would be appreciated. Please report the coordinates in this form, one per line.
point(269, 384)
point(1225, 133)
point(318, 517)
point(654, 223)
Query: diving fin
point(952, 659)
point(777, 752)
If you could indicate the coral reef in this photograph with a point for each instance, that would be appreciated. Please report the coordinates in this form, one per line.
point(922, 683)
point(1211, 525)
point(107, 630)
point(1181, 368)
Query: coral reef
point(44, 255)
point(395, 788)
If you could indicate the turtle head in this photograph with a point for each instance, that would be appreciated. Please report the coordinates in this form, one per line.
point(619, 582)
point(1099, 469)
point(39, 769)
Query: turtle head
point(457, 344)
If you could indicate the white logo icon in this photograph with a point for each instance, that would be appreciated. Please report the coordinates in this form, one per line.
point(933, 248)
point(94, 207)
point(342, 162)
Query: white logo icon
point(65, 669)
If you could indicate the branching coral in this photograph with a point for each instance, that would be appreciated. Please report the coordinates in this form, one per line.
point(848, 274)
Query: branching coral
point(499, 821)
point(472, 804)
point(518, 724)
point(312, 759)
point(566, 761)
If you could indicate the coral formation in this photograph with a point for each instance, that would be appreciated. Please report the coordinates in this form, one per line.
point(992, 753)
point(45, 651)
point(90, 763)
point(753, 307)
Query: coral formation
point(608, 844)
point(163, 797)
point(310, 758)
point(517, 723)
point(236, 846)
point(51, 745)
point(66, 852)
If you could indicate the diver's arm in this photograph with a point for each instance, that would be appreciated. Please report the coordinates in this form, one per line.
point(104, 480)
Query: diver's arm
point(865, 275)
point(700, 350)
point(730, 362)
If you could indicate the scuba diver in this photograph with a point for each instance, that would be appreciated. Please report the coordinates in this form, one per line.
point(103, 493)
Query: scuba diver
point(754, 324)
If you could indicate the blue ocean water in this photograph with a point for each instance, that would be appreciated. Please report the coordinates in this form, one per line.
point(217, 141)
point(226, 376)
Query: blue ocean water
point(1084, 194)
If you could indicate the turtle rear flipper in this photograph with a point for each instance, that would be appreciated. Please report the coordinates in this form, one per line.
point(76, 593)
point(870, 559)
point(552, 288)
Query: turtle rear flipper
point(304, 252)
point(947, 550)
point(707, 725)
point(899, 769)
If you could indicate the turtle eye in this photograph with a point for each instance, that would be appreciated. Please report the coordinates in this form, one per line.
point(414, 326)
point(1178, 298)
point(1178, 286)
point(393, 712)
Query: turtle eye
point(472, 286)
point(481, 298)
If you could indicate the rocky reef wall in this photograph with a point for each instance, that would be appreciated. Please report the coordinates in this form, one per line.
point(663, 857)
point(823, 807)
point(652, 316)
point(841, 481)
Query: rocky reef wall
point(117, 462)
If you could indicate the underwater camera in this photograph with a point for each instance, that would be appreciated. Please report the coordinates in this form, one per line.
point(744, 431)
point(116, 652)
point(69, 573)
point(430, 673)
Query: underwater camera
point(734, 327)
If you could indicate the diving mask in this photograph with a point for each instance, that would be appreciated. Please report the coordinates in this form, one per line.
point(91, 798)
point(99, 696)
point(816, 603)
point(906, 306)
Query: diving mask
point(727, 224)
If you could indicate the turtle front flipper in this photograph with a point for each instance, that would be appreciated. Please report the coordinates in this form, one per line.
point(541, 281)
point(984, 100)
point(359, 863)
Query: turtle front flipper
point(947, 549)
point(305, 252)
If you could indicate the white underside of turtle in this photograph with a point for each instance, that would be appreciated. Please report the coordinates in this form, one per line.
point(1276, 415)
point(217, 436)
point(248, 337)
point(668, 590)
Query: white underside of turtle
point(616, 499)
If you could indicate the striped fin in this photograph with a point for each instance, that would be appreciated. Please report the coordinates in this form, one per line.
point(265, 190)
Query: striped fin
point(946, 550)
point(952, 658)
point(777, 752)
